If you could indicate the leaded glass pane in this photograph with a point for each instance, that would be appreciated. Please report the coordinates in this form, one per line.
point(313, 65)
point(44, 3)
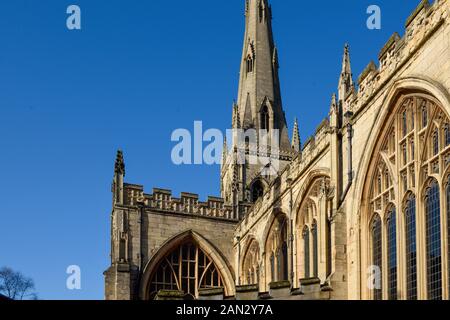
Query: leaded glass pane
point(377, 255)
point(433, 228)
point(411, 249)
point(392, 255)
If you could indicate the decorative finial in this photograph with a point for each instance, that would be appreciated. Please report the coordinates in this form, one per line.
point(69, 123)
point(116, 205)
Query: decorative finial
point(119, 167)
point(296, 143)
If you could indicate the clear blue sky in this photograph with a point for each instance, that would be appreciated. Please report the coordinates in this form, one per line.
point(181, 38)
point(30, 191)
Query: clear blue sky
point(135, 72)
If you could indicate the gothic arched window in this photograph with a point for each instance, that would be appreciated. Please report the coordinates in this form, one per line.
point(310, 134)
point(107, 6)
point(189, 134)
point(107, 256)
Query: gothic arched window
point(435, 142)
point(249, 63)
point(187, 269)
point(416, 157)
point(377, 256)
point(315, 250)
point(265, 118)
point(433, 237)
point(424, 116)
point(306, 251)
point(411, 248)
point(392, 254)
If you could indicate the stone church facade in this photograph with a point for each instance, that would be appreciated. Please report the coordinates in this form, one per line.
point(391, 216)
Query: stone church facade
point(360, 211)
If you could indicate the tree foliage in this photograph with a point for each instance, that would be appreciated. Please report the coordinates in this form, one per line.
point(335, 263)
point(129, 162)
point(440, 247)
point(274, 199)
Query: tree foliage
point(15, 285)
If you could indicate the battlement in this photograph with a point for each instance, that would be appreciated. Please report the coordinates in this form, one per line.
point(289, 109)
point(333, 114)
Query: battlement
point(187, 203)
point(420, 26)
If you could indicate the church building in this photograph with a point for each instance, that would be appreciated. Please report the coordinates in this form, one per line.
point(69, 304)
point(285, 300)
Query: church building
point(360, 211)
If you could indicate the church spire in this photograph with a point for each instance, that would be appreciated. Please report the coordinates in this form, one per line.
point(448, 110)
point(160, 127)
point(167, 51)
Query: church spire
point(259, 97)
point(346, 78)
point(296, 142)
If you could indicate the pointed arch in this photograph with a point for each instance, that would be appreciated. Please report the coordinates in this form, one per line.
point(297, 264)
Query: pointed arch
point(250, 264)
point(416, 157)
point(257, 189)
point(209, 251)
point(275, 247)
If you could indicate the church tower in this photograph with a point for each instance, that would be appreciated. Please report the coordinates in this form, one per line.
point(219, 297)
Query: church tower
point(258, 109)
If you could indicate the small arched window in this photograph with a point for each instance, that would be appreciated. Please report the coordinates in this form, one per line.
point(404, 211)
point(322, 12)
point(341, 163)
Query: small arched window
point(435, 143)
point(379, 184)
point(249, 62)
point(424, 116)
point(387, 179)
point(265, 118)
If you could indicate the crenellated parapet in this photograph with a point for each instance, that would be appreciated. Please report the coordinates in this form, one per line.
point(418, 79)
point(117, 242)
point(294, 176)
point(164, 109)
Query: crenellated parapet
point(397, 51)
point(188, 203)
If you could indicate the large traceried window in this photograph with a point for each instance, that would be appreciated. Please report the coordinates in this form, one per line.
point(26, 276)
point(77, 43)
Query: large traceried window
point(377, 255)
point(413, 153)
point(433, 236)
point(411, 248)
point(392, 254)
point(186, 269)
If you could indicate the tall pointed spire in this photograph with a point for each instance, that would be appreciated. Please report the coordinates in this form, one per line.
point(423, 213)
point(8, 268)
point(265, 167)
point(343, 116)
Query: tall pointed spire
point(346, 78)
point(259, 85)
point(296, 142)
